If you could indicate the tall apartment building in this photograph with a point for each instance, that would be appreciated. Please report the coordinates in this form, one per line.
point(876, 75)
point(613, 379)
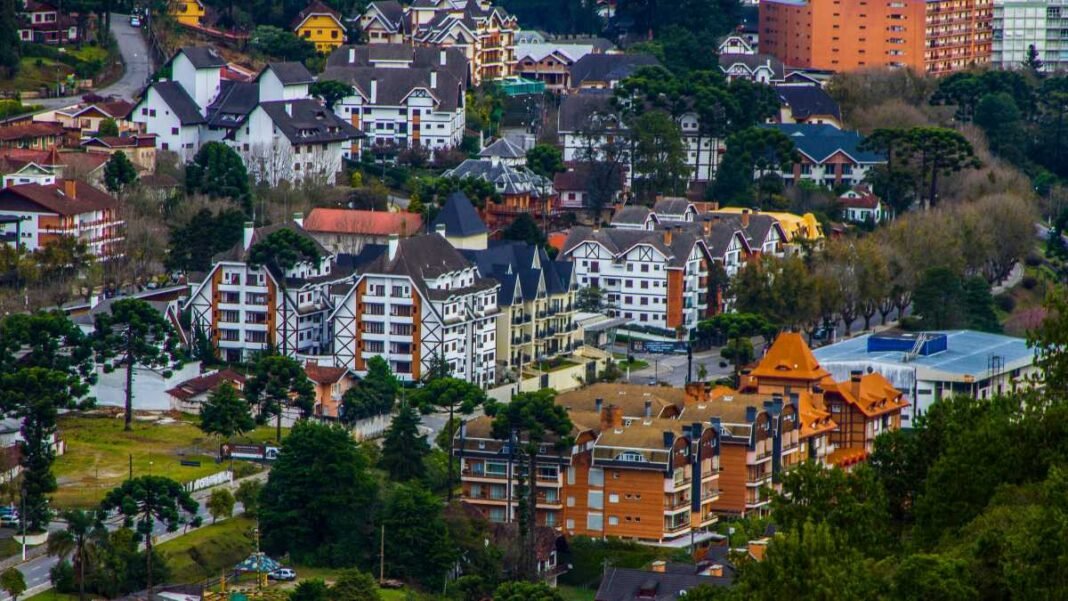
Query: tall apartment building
point(934, 36)
point(1021, 24)
point(418, 300)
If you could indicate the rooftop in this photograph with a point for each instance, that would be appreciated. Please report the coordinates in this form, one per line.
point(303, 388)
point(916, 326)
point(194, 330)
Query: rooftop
point(368, 223)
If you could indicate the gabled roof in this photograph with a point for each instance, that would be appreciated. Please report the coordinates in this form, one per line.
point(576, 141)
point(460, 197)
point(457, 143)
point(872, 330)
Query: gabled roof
point(30, 130)
point(672, 206)
point(789, 358)
point(324, 374)
point(235, 101)
point(521, 268)
point(203, 57)
point(608, 67)
point(820, 142)
point(182, 105)
point(503, 148)
point(52, 198)
point(305, 121)
point(370, 55)
point(630, 398)
point(579, 111)
point(317, 7)
point(624, 584)
point(426, 257)
point(238, 252)
point(365, 223)
point(632, 215)
point(619, 241)
point(290, 73)
point(206, 383)
point(393, 86)
point(459, 217)
point(505, 178)
point(753, 63)
point(391, 11)
point(808, 100)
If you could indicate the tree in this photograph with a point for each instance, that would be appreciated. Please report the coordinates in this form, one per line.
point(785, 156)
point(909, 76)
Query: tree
point(10, 47)
point(225, 413)
point(374, 395)
point(978, 305)
point(938, 298)
point(530, 419)
point(1049, 341)
point(899, 468)
point(589, 299)
point(331, 91)
point(546, 160)
point(119, 172)
point(146, 500)
point(659, 155)
point(310, 590)
point(736, 329)
point(524, 229)
point(12, 581)
point(219, 172)
point(319, 470)
point(280, 252)
point(281, 44)
point(1033, 61)
point(248, 494)
point(1002, 122)
point(134, 333)
point(923, 577)
point(220, 504)
point(889, 181)
point(78, 541)
point(526, 591)
point(404, 448)
point(276, 382)
point(940, 151)
point(354, 585)
point(754, 151)
point(418, 547)
point(454, 394)
point(108, 128)
point(207, 234)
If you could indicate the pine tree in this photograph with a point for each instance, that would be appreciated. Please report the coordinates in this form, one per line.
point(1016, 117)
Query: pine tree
point(119, 172)
point(9, 39)
point(404, 447)
point(226, 413)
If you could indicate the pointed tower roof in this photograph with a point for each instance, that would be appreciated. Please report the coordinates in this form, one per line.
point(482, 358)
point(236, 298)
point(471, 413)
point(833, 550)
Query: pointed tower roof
point(459, 217)
point(789, 358)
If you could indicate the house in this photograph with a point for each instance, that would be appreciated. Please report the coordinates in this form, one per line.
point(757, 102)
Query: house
point(829, 156)
point(86, 118)
point(861, 205)
point(675, 210)
point(605, 71)
point(505, 151)
point(807, 103)
point(320, 25)
point(796, 227)
point(416, 301)
point(64, 207)
point(520, 189)
point(139, 148)
point(349, 231)
point(33, 136)
point(168, 111)
point(330, 383)
point(190, 395)
point(660, 583)
point(764, 234)
point(405, 96)
point(653, 278)
point(244, 309)
point(25, 166)
point(29, 173)
point(575, 187)
point(460, 223)
point(484, 33)
point(44, 23)
point(187, 12)
point(635, 217)
point(551, 61)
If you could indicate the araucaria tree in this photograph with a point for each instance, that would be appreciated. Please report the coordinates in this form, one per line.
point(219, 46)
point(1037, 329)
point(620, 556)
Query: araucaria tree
point(146, 500)
point(134, 333)
point(278, 381)
point(225, 413)
point(373, 395)
point(404, 448)
point(218, 171)
point(279, 252)
point(453, 394)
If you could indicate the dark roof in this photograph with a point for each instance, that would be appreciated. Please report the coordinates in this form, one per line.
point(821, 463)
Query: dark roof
point(752, 62)
point(721, 232)
point(316, 8)
point(368, 55)
point(53, 198)
point(820, 142)
point(391, 10)
point(426, 257)
point(618, 241)
point(631, 215)
point(235, 101)
point(807, 100)
point(393, 86)
point(238, 252)
point(503, 148)
point(291, 73)
point(205, 383)
point(510, 261)
point(459, 217)
point(608, 67)
point(184, 107)
point(305, 121)
point(203, 57)
point(671, 206)
point(505, 178)
point(578, 110)
point(622, 584)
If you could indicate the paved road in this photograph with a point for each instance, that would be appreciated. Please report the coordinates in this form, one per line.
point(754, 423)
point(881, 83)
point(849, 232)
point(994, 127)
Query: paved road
point(135, 56)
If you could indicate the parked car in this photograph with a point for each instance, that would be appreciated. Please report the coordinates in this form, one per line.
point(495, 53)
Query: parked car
point(9, 519)
point(283, 574)
point(135, 21)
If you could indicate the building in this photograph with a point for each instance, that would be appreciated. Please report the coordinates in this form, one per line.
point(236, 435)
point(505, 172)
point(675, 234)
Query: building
point(764, 234)
point(330, 384)
point(24, 166)
point(244, 309)
point(930, 366)
point(484, 33)
point(139, 148)
point(830, 157)
point(575, 187)
point(796, 227)
point(406, 96)
point(933, 37)
point(605, 71)
point(43, 23)
point(655, 278)
point(860, 205)
point(190, 395)
point(505, 151)
point(1020, 25)
point(63, 208)
point(739, 59)
point(348, 231)
point(32, 136)
point(520, 190)
point(416, 301)
point(462, 226)
point(86, 118)
point(807, 103)
point(187, 12)
point(320, 25)
point(551, 62)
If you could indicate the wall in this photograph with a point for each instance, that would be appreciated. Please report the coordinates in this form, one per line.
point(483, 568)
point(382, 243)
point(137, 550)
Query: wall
point(149, 387)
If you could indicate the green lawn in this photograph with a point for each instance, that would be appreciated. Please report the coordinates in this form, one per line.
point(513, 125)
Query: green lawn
point(574, 593)
point(634, 365)
point(88, 53)
point(53, 596)
point(210, 551)
point(35, 72)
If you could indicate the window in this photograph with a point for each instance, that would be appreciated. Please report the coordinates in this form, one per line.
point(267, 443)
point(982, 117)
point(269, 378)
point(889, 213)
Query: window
point(374, 346)
point(400, 329)
point(594, 521)
point(497, 514)
point(613, 520)
point(596, 476)
point(613, 498)
point(374, 327)
point(494, 468)
point(595, 499)
point(174, 131)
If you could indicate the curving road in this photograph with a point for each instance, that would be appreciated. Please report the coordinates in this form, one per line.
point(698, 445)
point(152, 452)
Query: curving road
point(136, 60)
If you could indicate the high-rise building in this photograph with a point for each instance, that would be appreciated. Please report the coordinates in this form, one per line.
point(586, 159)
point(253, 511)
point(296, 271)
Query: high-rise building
point(1020, 25)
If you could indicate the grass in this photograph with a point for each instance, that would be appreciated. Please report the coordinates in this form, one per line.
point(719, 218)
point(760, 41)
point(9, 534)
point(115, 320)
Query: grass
point(209, 551)
point(634, 365)
point(52, 595)
point(35, 72)
point(88, 53)
point(574, 593)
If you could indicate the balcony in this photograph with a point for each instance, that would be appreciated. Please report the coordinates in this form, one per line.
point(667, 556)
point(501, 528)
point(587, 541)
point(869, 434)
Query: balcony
point(672, 530)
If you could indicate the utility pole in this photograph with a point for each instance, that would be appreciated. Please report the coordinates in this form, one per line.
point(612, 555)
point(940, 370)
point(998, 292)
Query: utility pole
point(382, 556)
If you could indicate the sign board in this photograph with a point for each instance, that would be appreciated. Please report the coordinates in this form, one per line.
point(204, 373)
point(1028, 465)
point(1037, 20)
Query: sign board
point(255, 452)
point(658, 346)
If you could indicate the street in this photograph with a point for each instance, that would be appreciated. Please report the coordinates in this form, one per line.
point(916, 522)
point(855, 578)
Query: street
point(135, 56)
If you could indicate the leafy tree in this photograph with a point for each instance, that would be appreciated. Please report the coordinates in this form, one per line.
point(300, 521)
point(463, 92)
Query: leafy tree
point(526, 591)
point(10, 47)
point(524, 229)
point(248, 494)
point(78, 541)
point(417, 543)
point(938, 299)
point(546, 160)
point(146, 500)
point(1002, 121)
point(589, 299)
point(281, 44)
point(280, 252)
point(276, 382)
point(12, 581)
point(1048, 340)
point(120, 566)
point(331, 91)
point(755, 150)
point(219, 172)
point(354, 585)
point(940, 151)
point(319, 470)
point(454, 394)
point(1033, 61)
point(225, 413)
point(891, 182)
point(898, 467)
point(220, 503)
point(374, 395)
point(978, 305)
point(134, 333)
point(207, 234)
point(659, 155)
point(736, 329)
point(556, 16)
point(108, 128)
point(119, 173)
point(310, 590)
point(531, 418)
point(404, 448)
point(923, 577)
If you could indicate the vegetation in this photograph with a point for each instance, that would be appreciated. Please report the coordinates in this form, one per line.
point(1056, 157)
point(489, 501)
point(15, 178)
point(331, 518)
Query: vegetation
point(204, 553)
point(276, 382)
point(373, 395)
point(119, 173)
point(207, 234)
point(404, 448)
point(225, 413)
point(280, 44)
point(219, 172)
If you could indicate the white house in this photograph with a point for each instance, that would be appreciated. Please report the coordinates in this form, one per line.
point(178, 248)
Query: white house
point(860, 205)
point(168, 111)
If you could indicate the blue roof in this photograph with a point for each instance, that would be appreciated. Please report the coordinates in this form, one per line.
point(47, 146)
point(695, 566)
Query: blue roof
point(820, 141)
point(459, 217)
point(968, 353)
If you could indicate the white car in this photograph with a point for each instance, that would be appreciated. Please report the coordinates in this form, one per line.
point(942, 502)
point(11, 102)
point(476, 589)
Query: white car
point(284, 574)
point(135, 21)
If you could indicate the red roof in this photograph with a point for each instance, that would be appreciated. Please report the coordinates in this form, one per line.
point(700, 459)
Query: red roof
point(202, 384)
point(30, 130)
point(323, 374)
point(54, 199)
point(368, 223)
point(146, 140)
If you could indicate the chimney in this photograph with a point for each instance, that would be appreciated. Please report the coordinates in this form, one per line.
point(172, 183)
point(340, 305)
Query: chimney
point(750, 415)
point(667, 237)
point(745, 217)
point(597, 404)
point(298, 218)
point(854, 383)
point(374, 91)
point(394, 242)
point(443, 58)
point(715, 570)
point(648, 408)
point(249, 228)
point(352, 55)
point(669, 439)
point(433, 80)
point(439, 229)
point(659, 566)
point(70, 188)
point(611, 418)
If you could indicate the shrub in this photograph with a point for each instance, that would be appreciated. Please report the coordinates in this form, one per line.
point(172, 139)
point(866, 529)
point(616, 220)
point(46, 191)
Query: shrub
point(62, 575)
point(1029, 282)
point(1005, 302)
point(1033, 259)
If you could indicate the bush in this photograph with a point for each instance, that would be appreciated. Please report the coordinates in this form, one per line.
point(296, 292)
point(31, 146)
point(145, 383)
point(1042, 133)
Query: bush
point(1029, 282)
point(587, 557)
point(1005, 302)
point(1033, 259)
point(62, 575)
point(911, 323)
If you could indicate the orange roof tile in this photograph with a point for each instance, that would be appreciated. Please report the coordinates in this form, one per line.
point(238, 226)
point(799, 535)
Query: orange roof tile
point(877, 395)
point(369, 223)
point(789, 358)
point(557, 240)
point(323, 374)
point(847, 456)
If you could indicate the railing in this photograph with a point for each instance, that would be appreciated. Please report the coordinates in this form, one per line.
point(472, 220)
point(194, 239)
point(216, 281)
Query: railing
point(669, 529)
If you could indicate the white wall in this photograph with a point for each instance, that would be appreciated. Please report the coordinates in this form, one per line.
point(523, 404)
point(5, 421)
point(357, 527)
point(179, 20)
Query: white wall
point(150, 387)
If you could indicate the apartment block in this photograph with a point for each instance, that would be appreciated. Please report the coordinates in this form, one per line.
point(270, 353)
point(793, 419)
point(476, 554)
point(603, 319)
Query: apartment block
point(933, 37)
point(37, 214)
point(1020, 25)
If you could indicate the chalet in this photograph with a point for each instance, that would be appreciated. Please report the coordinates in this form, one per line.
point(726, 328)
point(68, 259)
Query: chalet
point(64, 207)
point(187, 12)
point(139, 148)
point(520, 189)
point(807, 103)
point(861, 205)
point(44, 23)
point(829, 156)
point(330, 383)
point(190, 395)
point(320, 25)
point(34, 136)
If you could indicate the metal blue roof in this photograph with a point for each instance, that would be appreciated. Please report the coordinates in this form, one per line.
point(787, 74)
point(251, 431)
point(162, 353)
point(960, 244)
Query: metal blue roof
point(820, 142)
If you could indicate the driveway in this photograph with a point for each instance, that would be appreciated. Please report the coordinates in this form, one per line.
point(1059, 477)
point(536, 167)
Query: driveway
point(136, 61)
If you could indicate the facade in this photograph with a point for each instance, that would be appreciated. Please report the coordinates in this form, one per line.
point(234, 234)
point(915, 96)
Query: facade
point(406, 96)
point(43, 23)
point(830, 157)
point(1020, 25)
point(59, 208)
point(349, 231)
point(32, 136)
point(87, 118)
point(551, 62)
point(330, 384)
point(139, 148)
point(933, 37)
point(605, 71)
point(320, 25)
point(485, 34)
point(460, 223)
point(739, 59)
point(187, 12)
point(807, 103)
point(861, 205)
point(417, 301)
point(520, 189)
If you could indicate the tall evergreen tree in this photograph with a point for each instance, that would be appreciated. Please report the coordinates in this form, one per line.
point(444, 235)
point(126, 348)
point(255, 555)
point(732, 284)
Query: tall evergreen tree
point(10, 50)
point(119, 173)
point(225, 413)
point(404, 448)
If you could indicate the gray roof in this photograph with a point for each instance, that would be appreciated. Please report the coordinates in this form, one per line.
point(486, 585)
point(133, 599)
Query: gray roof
point(391, 10)
point(369, 55)
point(305, 121)
point(578, 111)
point(394, 85)
point(608, 67)
point(672, 206)
point(622, 584)
point(291, 73)
point(752, 62)
point(426, 257)
point(618, 241)
point(238, 252)
point(184, 107)
point(503, 148)
point(807, 100)
point(820, 142)
point(203, 57)
point(757, 230)
point(235, 101)
point(631, 215)
point(505, 178)
point(459, 217)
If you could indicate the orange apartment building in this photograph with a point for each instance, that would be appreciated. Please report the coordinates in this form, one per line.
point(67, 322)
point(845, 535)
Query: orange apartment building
point(934, 37)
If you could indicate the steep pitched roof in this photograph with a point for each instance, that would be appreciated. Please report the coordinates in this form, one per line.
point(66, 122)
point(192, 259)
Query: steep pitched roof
point(580, 111)
point(393, 86)
point(618, 241)
point(672, 206)
point(203, 57)
point(324, 374)
point(206, 383)
point(459, 217)
point(608, 67)
point(506, 178)
point(521, 268)
point(426, 257)
point(819, 142)
point(235, 101)
point(503, 148)
point(317, 7)
point(238, 252)
point(391, 11)
point(305, 121)
point(790, 358)
point(752, 63)
point(624, 584)
point(631, 215)
point(367, 223)
point(807, 100)
point(183, 105)
point(53, 198)
point(290, 73)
